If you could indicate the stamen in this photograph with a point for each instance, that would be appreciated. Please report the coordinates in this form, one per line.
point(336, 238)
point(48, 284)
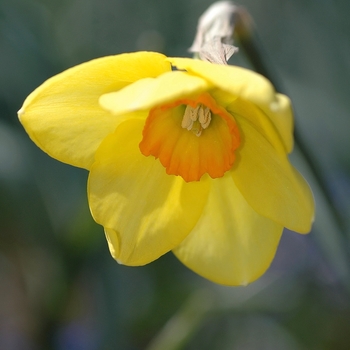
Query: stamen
point(187, 120)
point(204, 116)
point(196, 119)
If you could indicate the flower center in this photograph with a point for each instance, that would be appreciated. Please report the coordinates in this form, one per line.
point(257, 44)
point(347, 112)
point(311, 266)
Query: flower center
point(196, 119)
point(208, 148)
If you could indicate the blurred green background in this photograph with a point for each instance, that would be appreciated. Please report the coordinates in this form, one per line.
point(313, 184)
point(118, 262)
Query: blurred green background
point(60, 288)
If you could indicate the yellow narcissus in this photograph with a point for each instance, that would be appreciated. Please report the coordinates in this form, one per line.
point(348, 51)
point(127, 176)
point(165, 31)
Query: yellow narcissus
point(183, 155)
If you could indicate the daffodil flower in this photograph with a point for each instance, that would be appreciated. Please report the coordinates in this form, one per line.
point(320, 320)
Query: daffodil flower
point(183, 155)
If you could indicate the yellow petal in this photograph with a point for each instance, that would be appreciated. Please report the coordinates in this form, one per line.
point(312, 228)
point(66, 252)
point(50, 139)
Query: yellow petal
point(231, 244)
point(236, 80)
point(248, 85)
point(145, 212)
point(281, 114)
point(269, 183)
point(260, 121)
point(148, 93)
point(63, 116)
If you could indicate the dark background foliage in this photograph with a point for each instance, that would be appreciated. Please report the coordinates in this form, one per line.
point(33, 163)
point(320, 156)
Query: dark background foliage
point(60, 288)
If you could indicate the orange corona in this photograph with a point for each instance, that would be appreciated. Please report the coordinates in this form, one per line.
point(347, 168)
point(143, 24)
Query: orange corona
point(191, 137)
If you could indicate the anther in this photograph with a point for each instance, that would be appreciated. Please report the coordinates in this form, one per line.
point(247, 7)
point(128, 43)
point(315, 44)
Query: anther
point(196, 119)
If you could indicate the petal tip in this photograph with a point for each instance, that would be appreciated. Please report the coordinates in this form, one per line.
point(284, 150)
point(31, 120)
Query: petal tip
point(20, 113)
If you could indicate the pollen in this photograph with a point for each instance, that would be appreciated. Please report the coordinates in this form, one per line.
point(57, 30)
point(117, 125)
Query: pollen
point(196, 119)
